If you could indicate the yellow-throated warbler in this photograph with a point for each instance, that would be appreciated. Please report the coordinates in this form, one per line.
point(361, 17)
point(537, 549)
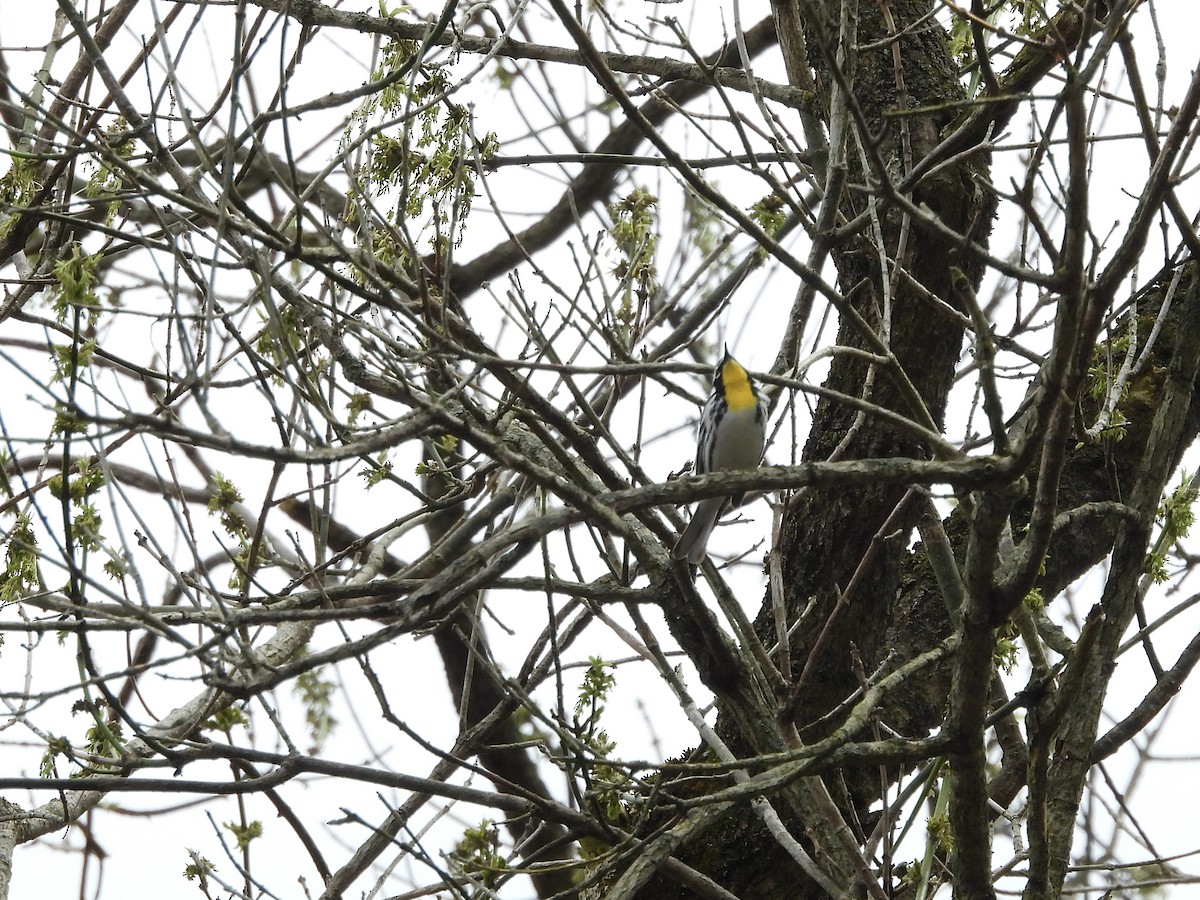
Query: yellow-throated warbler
point(733, 428)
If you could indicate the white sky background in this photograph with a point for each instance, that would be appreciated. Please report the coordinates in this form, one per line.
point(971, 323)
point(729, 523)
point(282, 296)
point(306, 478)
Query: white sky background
point(644, 719)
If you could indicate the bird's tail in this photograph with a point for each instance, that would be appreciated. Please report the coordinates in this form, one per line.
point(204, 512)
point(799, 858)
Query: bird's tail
point(694, 540)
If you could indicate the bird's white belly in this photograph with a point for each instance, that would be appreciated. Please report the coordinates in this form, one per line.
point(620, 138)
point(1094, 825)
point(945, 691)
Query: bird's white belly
point(739, 441)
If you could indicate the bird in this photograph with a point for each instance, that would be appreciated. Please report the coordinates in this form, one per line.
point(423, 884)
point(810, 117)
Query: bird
point(731, 435)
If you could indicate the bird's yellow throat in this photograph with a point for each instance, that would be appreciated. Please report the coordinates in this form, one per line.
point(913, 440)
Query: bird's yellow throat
point(738, 395)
